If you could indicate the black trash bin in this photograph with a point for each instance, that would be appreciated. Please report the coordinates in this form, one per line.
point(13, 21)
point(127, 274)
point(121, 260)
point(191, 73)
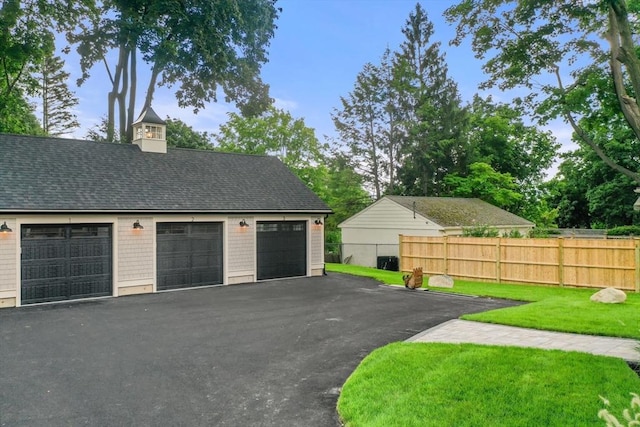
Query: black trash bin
point(388, 263)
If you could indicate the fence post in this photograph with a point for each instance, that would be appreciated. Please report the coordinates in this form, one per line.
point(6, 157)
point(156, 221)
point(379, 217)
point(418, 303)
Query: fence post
point(400, 236)
point(637, 261)
point(561, 261)
point(446, 255)
point(498, 265)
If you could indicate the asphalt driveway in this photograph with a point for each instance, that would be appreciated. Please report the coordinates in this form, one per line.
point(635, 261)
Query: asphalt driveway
point(268, 354)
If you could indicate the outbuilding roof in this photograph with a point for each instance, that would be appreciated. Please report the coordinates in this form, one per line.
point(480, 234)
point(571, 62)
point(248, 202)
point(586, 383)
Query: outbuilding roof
point(43, 174)
point(460, 212)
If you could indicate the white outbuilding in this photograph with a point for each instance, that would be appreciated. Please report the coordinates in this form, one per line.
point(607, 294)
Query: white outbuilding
point(370, 237)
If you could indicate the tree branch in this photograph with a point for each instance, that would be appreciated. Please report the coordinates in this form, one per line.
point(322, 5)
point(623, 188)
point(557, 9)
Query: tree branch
point(590, 142)
point(628, 104)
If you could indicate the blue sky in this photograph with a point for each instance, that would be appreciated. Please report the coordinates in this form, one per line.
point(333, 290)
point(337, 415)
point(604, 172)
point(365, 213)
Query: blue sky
point(318, 49)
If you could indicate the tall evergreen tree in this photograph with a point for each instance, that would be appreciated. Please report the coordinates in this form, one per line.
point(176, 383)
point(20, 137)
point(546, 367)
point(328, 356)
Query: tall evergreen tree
point(57, 100)
point(432, 111)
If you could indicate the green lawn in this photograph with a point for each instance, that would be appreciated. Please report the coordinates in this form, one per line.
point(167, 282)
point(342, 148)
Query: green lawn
point(552, 308)
point(429, 384)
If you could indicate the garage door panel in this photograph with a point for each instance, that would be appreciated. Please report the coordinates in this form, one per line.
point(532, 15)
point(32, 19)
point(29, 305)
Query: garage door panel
point(282, 249)
point(65, 262)
point(189, 255)
point(93, 286)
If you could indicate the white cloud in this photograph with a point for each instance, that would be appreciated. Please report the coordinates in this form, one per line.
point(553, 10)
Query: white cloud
point(285, 104)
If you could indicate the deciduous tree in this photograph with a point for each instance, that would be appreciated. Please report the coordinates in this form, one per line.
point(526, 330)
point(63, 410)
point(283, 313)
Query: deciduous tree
point(278, 133)
point(483, 182)
point(554, 49)
point(27, 38)
point(203, 47)
point(180, 134)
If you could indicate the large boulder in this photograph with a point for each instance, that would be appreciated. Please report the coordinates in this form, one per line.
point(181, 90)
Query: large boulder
point(442, 281)
point(609, 296)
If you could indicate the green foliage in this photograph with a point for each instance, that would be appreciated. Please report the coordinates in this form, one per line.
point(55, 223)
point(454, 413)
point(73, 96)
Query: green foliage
point(499, 137)
point(569, 56)
point(435, 119)
point(543, 233)
point(485, 183)
point(203, 48)
point(513, 234)
point(58, 101)
point(361, 124)
point(27, 34)
point(277, 133)
point(344, 193)
point(179, 134)
point(16, 115)
point(480, 231)
point(626, 230)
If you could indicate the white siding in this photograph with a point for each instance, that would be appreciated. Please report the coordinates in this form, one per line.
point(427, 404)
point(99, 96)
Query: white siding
point(375, 231)
point(241, 250)
point(316, 245)
point(135, 251)
point(8, 257)
point(382, 236)
point(386, 214)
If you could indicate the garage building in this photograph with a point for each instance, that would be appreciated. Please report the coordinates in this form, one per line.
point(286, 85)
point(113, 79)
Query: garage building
point(81, 219)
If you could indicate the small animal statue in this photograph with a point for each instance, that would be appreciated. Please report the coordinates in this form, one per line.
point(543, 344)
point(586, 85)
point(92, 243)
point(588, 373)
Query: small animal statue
point(413, 280)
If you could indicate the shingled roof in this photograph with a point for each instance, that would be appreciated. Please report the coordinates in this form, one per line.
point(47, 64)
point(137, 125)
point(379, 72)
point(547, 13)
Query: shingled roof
point(43, 174)
point(460, 212)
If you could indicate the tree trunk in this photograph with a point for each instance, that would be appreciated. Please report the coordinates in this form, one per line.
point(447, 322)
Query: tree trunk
point(618, 31)
point(152, 86)
point(45, 99)
point(113, 94)
point(122, 97)
point(132, 95)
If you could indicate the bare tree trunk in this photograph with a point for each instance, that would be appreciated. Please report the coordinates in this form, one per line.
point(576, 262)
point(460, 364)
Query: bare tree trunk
point(133, 71)
point(114, 93)
point(45, 99)
point(122, 97)
point(152, 86)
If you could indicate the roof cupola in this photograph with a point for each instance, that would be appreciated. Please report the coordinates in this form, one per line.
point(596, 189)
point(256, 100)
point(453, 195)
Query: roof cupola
point(149, 132)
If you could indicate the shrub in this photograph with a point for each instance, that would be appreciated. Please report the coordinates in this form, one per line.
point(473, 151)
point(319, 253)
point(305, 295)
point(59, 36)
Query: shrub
point(513, 234)
point(543, 232)
point(480, 231)
point(625, 230)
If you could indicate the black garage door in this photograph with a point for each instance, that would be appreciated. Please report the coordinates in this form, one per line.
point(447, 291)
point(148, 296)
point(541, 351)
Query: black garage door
point(282, 249)
point(189, 255)
point(64, 262)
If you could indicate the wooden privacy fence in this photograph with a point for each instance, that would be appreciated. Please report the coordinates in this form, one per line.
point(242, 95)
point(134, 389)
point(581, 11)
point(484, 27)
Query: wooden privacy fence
point(562, 262)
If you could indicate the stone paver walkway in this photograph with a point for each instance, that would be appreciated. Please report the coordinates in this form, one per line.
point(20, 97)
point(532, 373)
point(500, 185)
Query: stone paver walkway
point(464, 331)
